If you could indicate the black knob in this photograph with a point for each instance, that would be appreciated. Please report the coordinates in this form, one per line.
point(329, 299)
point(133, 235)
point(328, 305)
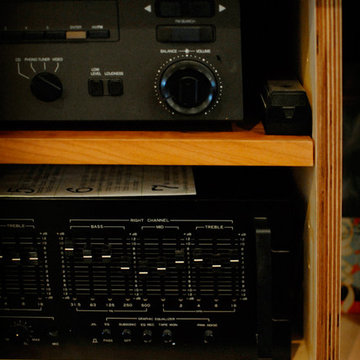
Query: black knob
point(188, 87)
point(106, 333)
point(167, 336)
point(147, 336)
point(127, 335)
point(46, 87)
point(208, 336)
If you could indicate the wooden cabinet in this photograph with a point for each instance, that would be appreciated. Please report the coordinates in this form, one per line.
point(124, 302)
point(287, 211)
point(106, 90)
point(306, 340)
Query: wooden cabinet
point(316, 162)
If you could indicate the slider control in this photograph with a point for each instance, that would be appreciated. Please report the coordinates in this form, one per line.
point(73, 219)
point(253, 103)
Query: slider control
point(87, 255)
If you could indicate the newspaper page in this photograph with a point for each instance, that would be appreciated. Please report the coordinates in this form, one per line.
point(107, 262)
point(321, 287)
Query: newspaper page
point(95, 181)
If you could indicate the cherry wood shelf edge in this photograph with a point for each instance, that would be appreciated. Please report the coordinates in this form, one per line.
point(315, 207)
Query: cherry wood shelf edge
point(236, 147)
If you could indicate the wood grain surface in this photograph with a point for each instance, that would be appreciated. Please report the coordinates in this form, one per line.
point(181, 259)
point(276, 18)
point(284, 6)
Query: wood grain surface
point(236, 147)
point(328, 167)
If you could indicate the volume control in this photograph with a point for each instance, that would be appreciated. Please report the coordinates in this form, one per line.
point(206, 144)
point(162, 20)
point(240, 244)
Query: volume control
point(188, 87)
point(46, 87)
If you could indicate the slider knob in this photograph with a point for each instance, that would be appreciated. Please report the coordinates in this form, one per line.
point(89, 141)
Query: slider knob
point(46, 87)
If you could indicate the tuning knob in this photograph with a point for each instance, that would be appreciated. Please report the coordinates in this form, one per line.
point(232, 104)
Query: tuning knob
point(189, 87)
point(46, 87)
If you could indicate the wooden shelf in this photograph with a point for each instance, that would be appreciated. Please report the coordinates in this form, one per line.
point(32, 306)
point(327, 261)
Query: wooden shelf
point(236, 147)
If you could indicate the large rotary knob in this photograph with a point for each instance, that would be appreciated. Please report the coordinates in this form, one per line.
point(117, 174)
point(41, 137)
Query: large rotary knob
point(189, 87)
point(46, 87)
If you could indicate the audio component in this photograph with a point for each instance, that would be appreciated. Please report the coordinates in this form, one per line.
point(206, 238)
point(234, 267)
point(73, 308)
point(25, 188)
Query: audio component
point(120, 60)
point(194, 276)
point(286, 108)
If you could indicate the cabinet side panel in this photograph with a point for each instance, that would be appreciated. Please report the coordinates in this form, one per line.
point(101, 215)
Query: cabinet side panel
point(328, 160)
point(305, 177)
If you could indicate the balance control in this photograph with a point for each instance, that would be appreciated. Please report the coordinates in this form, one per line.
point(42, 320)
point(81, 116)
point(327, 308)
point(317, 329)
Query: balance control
point(46, 87)
point(189, 87)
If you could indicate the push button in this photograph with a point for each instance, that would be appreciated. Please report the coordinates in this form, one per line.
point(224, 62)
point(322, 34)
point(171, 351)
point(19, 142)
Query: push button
point(76, 35)
point(33, 35)
point(168, 8)
point(55, 35)
point(12, 35)
point(98, 34)
point(96, 87)
point(186, 34)
point(116, 87)
point(185, 8)
point(201, 8)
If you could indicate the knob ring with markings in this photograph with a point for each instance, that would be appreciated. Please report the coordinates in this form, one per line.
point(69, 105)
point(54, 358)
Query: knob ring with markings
point(188, 85)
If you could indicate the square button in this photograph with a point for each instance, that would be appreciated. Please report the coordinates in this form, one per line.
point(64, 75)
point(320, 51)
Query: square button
point(169, 8)
point(98, 34)
point(184, 34)
point(33, 35)
point(96, 87)
point(201, 8)
point(116, 87)
point(76, 35)
point(55, 35)
point(12, 35)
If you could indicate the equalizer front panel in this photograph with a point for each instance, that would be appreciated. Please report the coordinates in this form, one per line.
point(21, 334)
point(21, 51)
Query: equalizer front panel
point(179, 261)
point(181, 276)
point(160, 280)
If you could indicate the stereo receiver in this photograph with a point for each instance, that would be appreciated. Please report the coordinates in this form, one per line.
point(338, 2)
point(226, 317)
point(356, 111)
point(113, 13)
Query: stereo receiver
point(120, 60)
point(197, 276)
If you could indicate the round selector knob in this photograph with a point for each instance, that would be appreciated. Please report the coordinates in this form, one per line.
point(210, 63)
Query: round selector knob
point(46, 87)
point(167, 336)
point(208, 337)
point(106, 333)
point(127, 335)
point(189, 87)
point(147, 336)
